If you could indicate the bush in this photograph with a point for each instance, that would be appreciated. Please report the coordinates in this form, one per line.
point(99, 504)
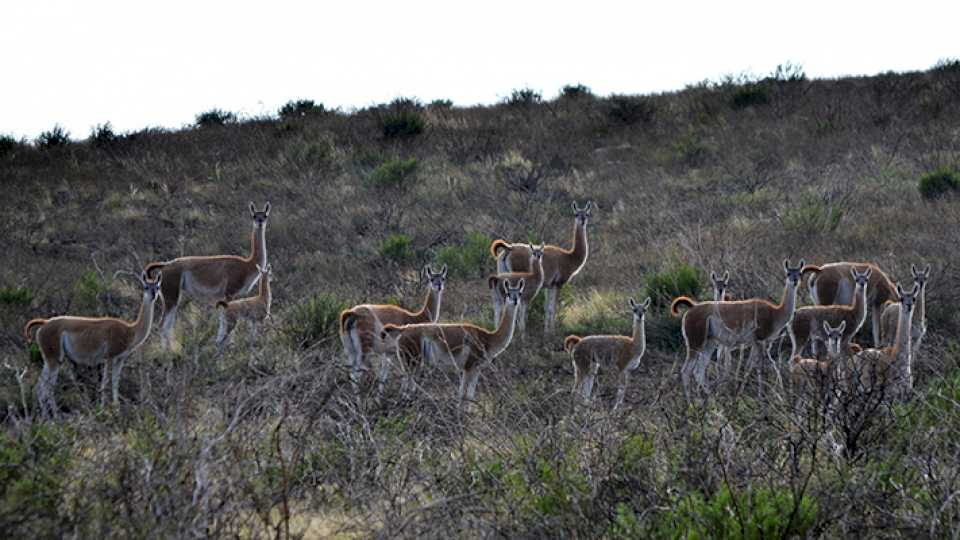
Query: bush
point(300, 108)
point(441, 103)
point(8, 146)
point(468, 259)
point(397, 248)
point(86, 293)
point(403, 124)
point(215, 117)
point(663, 287)
point(575, 91)
point(313, 321)
point(598, 313)
point(759, 513)
point(938, 183)
point(750, 95)
point(524, 97)
point(947, 65)
point(396, 173)
point(812, 216)
point(33, 478)
point(103, 136)
point(630, 109)
point(15, 296)
point(54, 138)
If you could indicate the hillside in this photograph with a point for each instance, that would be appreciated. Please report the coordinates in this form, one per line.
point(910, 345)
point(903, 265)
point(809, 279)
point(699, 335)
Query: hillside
point(735, 176)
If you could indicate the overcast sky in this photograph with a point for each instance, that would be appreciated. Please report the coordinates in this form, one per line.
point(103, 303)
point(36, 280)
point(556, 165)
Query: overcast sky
point(139, 64)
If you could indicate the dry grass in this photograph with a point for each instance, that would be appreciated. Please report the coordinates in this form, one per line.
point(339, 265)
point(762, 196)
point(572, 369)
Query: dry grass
point(267, 441)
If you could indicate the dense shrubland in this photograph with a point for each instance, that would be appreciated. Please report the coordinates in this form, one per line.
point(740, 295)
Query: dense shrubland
point(266, 440)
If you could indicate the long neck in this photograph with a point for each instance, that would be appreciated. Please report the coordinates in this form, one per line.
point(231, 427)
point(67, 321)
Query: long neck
point(501, 337)
point(787, 305)
point(579, 241)
point(141, 327)
point(431, 306)
point(901, 345)
point(258, 245)
point(639, 337)
point(717, 295)
point(921, 305)
point(860, 307)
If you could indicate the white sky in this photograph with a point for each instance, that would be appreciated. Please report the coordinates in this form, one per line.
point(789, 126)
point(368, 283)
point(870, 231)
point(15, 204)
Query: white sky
point(159, 63)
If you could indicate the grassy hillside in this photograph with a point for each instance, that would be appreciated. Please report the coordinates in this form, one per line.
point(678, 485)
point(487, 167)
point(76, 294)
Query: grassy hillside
point(266, 440)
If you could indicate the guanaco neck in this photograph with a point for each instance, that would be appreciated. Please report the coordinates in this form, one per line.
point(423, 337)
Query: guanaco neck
point(783, 312)
point(921, 305)
point(258, 245)
point(580, 249)
point(141, 327)
point(639, 337)
point(498, 340)
point(860, 307)
point(901, 345)
point(430, 312)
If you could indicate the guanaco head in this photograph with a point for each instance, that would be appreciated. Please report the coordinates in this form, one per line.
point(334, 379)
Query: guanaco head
point(834, 337)
point(639, 309)
point(583, 214)
point(907, 299)
point(151, 288)
point(793, 274)
point(436, 279)
point(861, 279)
point(513, 293)
point(537, 251)
point(259, 217)
point(920, 277)
point(719, 284)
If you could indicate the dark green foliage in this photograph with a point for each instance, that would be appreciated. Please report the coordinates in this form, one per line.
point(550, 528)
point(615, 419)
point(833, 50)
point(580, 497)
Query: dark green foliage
point(86, 293)
point(397, 248)
point(811, 216)
point(750, 95)
point(630, 109)
point(54, 138)
point(36, 357)
point(300, 108)
point(754, 514)
point(441, 103)
point(396, 173)
point(215, 117)
point(575, 91)
point(8, 146)
point(470, 259)
point(15, 296)
point(683, 280)
point(403, 124)
point(947, 65)
point(938, 183)
point(524, 97)
point(313, 321)
point(102, 136)
point(34, 466)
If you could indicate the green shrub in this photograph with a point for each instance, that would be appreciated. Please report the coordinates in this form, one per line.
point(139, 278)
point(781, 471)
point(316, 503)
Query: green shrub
point(8, 146)
point(397, 248)
point(442, 103)
point(629, 110)
point(33, 478)
point(403, 124)
point(938, 183)
point(753, 514)
point(750, 95)
point(598, 313)
point(86, 293)
point(103, 135)
point(575, 91)
point(691, 150)
point(524, 97)
point(215, 117)
point(812, 216)
point(15, 296)
point(663, 287)
point(313, 321)
point(947, 65)
point(396, 173)
point(54, 138)
point(469, 259)
point(300, 108)
point(36, 357)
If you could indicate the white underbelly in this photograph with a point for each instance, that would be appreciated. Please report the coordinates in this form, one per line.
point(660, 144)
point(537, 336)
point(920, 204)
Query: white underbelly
point(197, 290)
point(89, 359)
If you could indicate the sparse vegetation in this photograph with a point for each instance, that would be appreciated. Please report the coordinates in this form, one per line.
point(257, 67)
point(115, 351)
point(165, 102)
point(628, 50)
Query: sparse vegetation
point(397, 248)
point(102, 136)
point(215, 117)
point(396, 173)
point(467, 260)
point(939, 183)
point(313, 321)
point(8, 146)
point(300, 108)
point(16, 296)
point(629, 110)
point(524, 97)
point(54, 138)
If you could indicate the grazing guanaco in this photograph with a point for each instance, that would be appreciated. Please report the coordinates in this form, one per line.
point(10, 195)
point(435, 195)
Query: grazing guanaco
point(831, 284)
point(467, 346)
point(254, 309)
point(888, 320)
point(622, 353)
point(809, 321)
point(533, 281)
point(890, 367)
point(754, 322)
point(559, 265)
point(360, 327)
point(91, 341)
point(211, 278)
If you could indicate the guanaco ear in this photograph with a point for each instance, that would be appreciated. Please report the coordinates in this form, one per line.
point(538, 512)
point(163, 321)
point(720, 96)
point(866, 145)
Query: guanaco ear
point(802, 264)
point(713, 276)
point(867, 272)
point(786, 264)
point(521, 285)
point(853, 272)
point(826, 327)
point(633, 304)
point(143, 278)
point(843, 326)
point(916, 289)
point(588, 207)
point(726, 276)
point(443, 272)
point(159, 277)
point(899, 290)
point(253, 209)
point(646, 303)
point(266, 209)
point(926, 270)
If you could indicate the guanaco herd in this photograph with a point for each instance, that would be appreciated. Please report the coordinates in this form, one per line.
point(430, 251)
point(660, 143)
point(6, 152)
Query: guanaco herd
point(841, 293)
